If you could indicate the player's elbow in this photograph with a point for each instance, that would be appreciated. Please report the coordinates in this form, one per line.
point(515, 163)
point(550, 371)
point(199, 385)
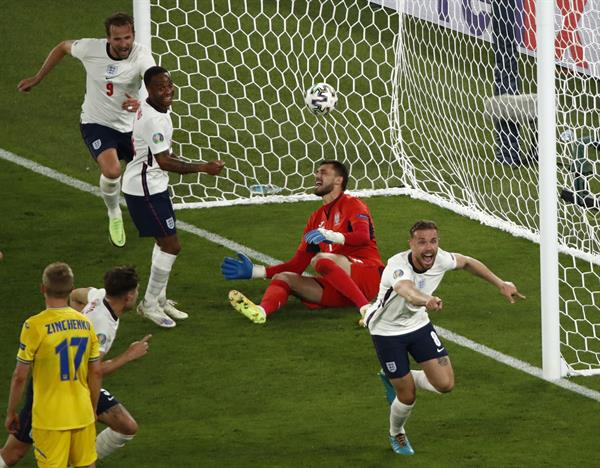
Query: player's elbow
point(64, 48)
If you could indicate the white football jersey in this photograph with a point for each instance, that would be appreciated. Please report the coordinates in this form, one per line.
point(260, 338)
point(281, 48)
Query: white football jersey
point(391, 314)
point(152, 134)
point(107, 81)
point(104, 320)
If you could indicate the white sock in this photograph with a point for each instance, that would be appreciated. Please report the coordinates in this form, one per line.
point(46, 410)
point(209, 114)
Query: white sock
point(399, 413)
point(162, 297)
point(422, 382)
point(162, 263)
point(109, 441)
point(111, 192)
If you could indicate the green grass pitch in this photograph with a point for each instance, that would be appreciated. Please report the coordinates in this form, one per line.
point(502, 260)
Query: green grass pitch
point(302, 390)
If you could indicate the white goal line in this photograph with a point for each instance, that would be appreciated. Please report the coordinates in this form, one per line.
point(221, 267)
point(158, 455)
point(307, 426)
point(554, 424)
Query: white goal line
point(236, 247)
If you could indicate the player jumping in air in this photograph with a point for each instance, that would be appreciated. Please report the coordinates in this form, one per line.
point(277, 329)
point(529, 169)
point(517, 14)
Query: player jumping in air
point(114, 69)
point(338, 241)
point(399, 323)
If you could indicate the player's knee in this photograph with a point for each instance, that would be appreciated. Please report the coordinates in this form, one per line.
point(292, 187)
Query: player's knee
point(172, 246)
point(446, 385)
point(111, 172)
point(129, 427)
point(122, 423)
point(286, 277)
point(13, 454)
point(405, 393)
point(408, 398)
point(320, 262)
point(317, 257)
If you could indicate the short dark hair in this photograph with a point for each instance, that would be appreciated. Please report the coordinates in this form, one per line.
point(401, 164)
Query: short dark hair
point(340, 170)
point(152, 72)
point(118, 19)
point(120, 280)
point(58, 280)
point(422, 225)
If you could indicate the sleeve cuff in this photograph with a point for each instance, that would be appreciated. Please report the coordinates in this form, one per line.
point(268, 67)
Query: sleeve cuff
point(259, 271)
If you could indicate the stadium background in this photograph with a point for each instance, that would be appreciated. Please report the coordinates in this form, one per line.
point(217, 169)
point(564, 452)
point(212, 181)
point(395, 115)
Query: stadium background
point(302, 390)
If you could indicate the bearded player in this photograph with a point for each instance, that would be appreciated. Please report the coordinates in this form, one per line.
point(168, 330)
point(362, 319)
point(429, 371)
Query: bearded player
point(114, 69)
point(338, 241)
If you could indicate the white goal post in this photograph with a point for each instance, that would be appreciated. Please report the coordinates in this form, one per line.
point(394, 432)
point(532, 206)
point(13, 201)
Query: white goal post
point(457, 103)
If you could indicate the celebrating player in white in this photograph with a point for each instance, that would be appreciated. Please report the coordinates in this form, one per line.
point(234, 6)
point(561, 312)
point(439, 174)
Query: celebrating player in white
point(114, 68)
point(146, 189)
point(103, 307)
point(399, 323)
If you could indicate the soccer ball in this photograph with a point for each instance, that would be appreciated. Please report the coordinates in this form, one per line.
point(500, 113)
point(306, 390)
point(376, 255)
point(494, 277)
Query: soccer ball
point(321, 98)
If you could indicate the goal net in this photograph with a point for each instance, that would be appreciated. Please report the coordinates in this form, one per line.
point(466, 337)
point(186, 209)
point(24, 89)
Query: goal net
point(242, 68)
point(437, 100)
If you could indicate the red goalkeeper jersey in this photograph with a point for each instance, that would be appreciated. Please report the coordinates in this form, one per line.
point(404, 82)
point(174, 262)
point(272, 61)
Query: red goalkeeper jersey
point(347, 215)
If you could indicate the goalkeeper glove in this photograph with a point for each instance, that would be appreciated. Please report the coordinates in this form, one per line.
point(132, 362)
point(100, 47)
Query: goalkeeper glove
point(242, 268)
point(316, 236)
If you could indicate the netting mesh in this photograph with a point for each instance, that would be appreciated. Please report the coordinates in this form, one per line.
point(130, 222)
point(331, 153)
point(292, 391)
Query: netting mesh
point(242, 68)
point(441, 107)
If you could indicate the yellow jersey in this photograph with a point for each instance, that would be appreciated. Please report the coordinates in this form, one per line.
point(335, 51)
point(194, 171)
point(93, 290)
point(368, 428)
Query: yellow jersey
point(59, 343)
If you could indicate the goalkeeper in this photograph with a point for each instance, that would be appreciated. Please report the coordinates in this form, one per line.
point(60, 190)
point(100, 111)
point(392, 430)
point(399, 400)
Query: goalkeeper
point(338, 241)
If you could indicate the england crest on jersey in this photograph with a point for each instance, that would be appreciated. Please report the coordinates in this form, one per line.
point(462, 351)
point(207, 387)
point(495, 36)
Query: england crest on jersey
point(111, 70)
point(391, 366)
point(170, 223)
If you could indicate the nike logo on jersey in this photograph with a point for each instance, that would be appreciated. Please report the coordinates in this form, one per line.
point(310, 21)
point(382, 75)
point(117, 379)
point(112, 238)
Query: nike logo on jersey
point(439, 350)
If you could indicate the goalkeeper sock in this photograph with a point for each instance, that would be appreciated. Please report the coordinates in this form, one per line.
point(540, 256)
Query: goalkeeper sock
point(422, 382)
point(340, 280)
point(109, 441)
point(110, 190)
point(399, 413)
point(159, 277)
point(275, 296)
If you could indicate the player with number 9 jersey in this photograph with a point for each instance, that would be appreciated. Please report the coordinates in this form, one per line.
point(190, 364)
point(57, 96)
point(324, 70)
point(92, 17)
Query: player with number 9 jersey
point(59, 343)
point(114, 69)
point(109, 81)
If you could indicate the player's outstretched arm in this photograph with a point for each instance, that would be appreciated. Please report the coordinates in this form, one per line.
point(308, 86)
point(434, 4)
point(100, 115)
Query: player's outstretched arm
point(477, 268)
point(168, 162)
point(136, 350)
point(55, 56)
point(241, 268)
point(409, 291)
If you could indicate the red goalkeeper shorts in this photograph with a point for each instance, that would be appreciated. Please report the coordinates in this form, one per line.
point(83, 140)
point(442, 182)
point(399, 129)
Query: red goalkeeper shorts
point(366, 277)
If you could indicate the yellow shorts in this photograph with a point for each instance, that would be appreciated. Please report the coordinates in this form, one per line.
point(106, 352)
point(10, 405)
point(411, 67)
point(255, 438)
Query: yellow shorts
point(58, 449)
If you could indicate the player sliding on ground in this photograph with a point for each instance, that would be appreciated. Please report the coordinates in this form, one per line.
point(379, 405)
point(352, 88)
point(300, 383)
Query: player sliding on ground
point(338, 241)
point(399, 324)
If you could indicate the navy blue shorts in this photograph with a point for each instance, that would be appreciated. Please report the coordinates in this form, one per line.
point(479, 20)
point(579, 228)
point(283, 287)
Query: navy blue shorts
point(422, 344)
point(99, 138)
point(105, 402)
point(152, 215)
